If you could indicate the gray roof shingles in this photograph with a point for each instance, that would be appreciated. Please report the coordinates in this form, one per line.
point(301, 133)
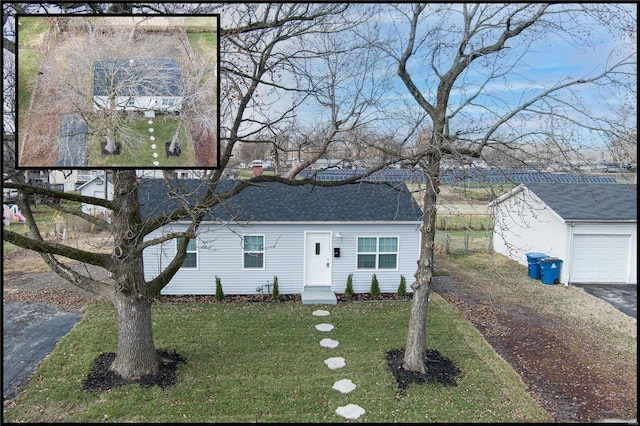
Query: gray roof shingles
point(589, 201)
point(146, 77)
point(276, 202)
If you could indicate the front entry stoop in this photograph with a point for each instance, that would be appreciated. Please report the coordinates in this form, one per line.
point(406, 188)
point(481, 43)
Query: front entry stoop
point(318, 295)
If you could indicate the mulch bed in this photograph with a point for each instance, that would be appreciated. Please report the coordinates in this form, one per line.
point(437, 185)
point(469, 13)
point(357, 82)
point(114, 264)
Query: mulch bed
point(439, 369)
point(282, 298)
point(101, 378)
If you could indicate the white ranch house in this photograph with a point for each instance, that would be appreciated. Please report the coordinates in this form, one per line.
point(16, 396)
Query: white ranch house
point(591, 227)
point(308, 236)
point(138, 84)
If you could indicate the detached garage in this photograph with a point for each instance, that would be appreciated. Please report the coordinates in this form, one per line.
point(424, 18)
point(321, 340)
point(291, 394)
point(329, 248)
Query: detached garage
point(591, 227)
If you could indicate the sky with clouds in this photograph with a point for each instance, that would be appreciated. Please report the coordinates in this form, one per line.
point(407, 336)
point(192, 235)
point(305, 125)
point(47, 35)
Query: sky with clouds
point(551, 58)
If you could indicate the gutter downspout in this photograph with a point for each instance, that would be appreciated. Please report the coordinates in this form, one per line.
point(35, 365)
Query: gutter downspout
point(569, 252)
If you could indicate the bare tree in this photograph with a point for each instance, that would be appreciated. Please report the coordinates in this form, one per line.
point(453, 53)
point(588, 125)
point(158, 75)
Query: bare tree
point(257, 40)
point(449, 56)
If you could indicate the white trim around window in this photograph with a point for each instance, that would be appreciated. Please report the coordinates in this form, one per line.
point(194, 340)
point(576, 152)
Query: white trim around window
point(377, 253)
point(253, 253)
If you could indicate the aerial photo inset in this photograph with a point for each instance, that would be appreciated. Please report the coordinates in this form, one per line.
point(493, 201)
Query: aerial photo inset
point(117, 92)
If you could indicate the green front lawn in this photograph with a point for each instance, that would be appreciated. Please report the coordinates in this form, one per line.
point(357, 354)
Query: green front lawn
point(263, 362)
point(138, 152)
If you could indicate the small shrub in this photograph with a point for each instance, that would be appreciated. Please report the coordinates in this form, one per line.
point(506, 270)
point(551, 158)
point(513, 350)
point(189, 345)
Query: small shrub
point(219, 292)
point(349, 290)
point(276, 293)
point(402, 288)
point(375, 287)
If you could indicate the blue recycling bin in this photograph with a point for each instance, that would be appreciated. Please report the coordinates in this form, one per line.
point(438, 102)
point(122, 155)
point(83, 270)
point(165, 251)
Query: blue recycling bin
point(550, 270)
point(533, 268)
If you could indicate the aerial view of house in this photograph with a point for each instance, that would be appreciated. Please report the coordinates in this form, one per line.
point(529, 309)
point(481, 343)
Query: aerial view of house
point(110, 92)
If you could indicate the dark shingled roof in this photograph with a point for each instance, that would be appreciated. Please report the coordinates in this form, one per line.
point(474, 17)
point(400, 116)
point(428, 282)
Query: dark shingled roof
point(276, 202)
point(590, 201)
point(146, 77)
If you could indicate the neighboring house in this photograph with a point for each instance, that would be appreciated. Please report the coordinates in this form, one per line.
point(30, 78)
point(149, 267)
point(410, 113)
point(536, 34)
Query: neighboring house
point(179, 173)
point(138, 84)
point(330, 164)
point(307, 236)
point(96, 188)
point(71, 180)
point(591, 227)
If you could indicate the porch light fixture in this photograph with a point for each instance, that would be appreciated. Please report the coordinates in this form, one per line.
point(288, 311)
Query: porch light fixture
point(338, 237)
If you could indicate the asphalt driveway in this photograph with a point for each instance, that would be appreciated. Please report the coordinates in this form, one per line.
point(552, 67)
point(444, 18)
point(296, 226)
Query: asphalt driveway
point(623, 297)
point(73, 150)
point(30, 332)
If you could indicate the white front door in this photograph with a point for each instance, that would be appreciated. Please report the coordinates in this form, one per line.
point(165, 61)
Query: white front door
point(317, 259)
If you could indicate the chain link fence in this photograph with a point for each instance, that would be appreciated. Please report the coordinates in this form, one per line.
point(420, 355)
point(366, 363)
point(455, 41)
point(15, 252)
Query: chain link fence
point(464, 234)
point(464, 242)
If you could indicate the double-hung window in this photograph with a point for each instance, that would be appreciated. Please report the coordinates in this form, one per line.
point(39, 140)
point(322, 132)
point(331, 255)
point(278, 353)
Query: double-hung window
point(191, 259)
point(253, 248)
point(377, 252)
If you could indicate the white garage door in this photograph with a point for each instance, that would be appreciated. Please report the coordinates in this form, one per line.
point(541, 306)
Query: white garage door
point(600, 258)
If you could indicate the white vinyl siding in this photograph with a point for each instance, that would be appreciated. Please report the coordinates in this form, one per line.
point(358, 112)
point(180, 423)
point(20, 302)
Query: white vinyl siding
point(221, 253)
point(524, 225)
point(140, 103)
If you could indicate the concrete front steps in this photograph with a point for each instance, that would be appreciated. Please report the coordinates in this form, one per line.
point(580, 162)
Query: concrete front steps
point(318, 295)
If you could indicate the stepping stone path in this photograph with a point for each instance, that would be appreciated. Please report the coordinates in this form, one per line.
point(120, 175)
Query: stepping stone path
point(324, 327)
point(153, 145)
point(335, 362)
point(344, 386)
point(329, 343)
point(349, 411)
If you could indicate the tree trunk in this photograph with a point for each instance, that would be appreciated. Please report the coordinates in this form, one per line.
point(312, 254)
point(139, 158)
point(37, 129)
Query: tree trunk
point(136, 355)
point(111, 141)
point(175, 139)
point(415, 355)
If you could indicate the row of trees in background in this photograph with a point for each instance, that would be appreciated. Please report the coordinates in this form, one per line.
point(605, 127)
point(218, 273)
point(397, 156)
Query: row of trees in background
point(299, 75)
